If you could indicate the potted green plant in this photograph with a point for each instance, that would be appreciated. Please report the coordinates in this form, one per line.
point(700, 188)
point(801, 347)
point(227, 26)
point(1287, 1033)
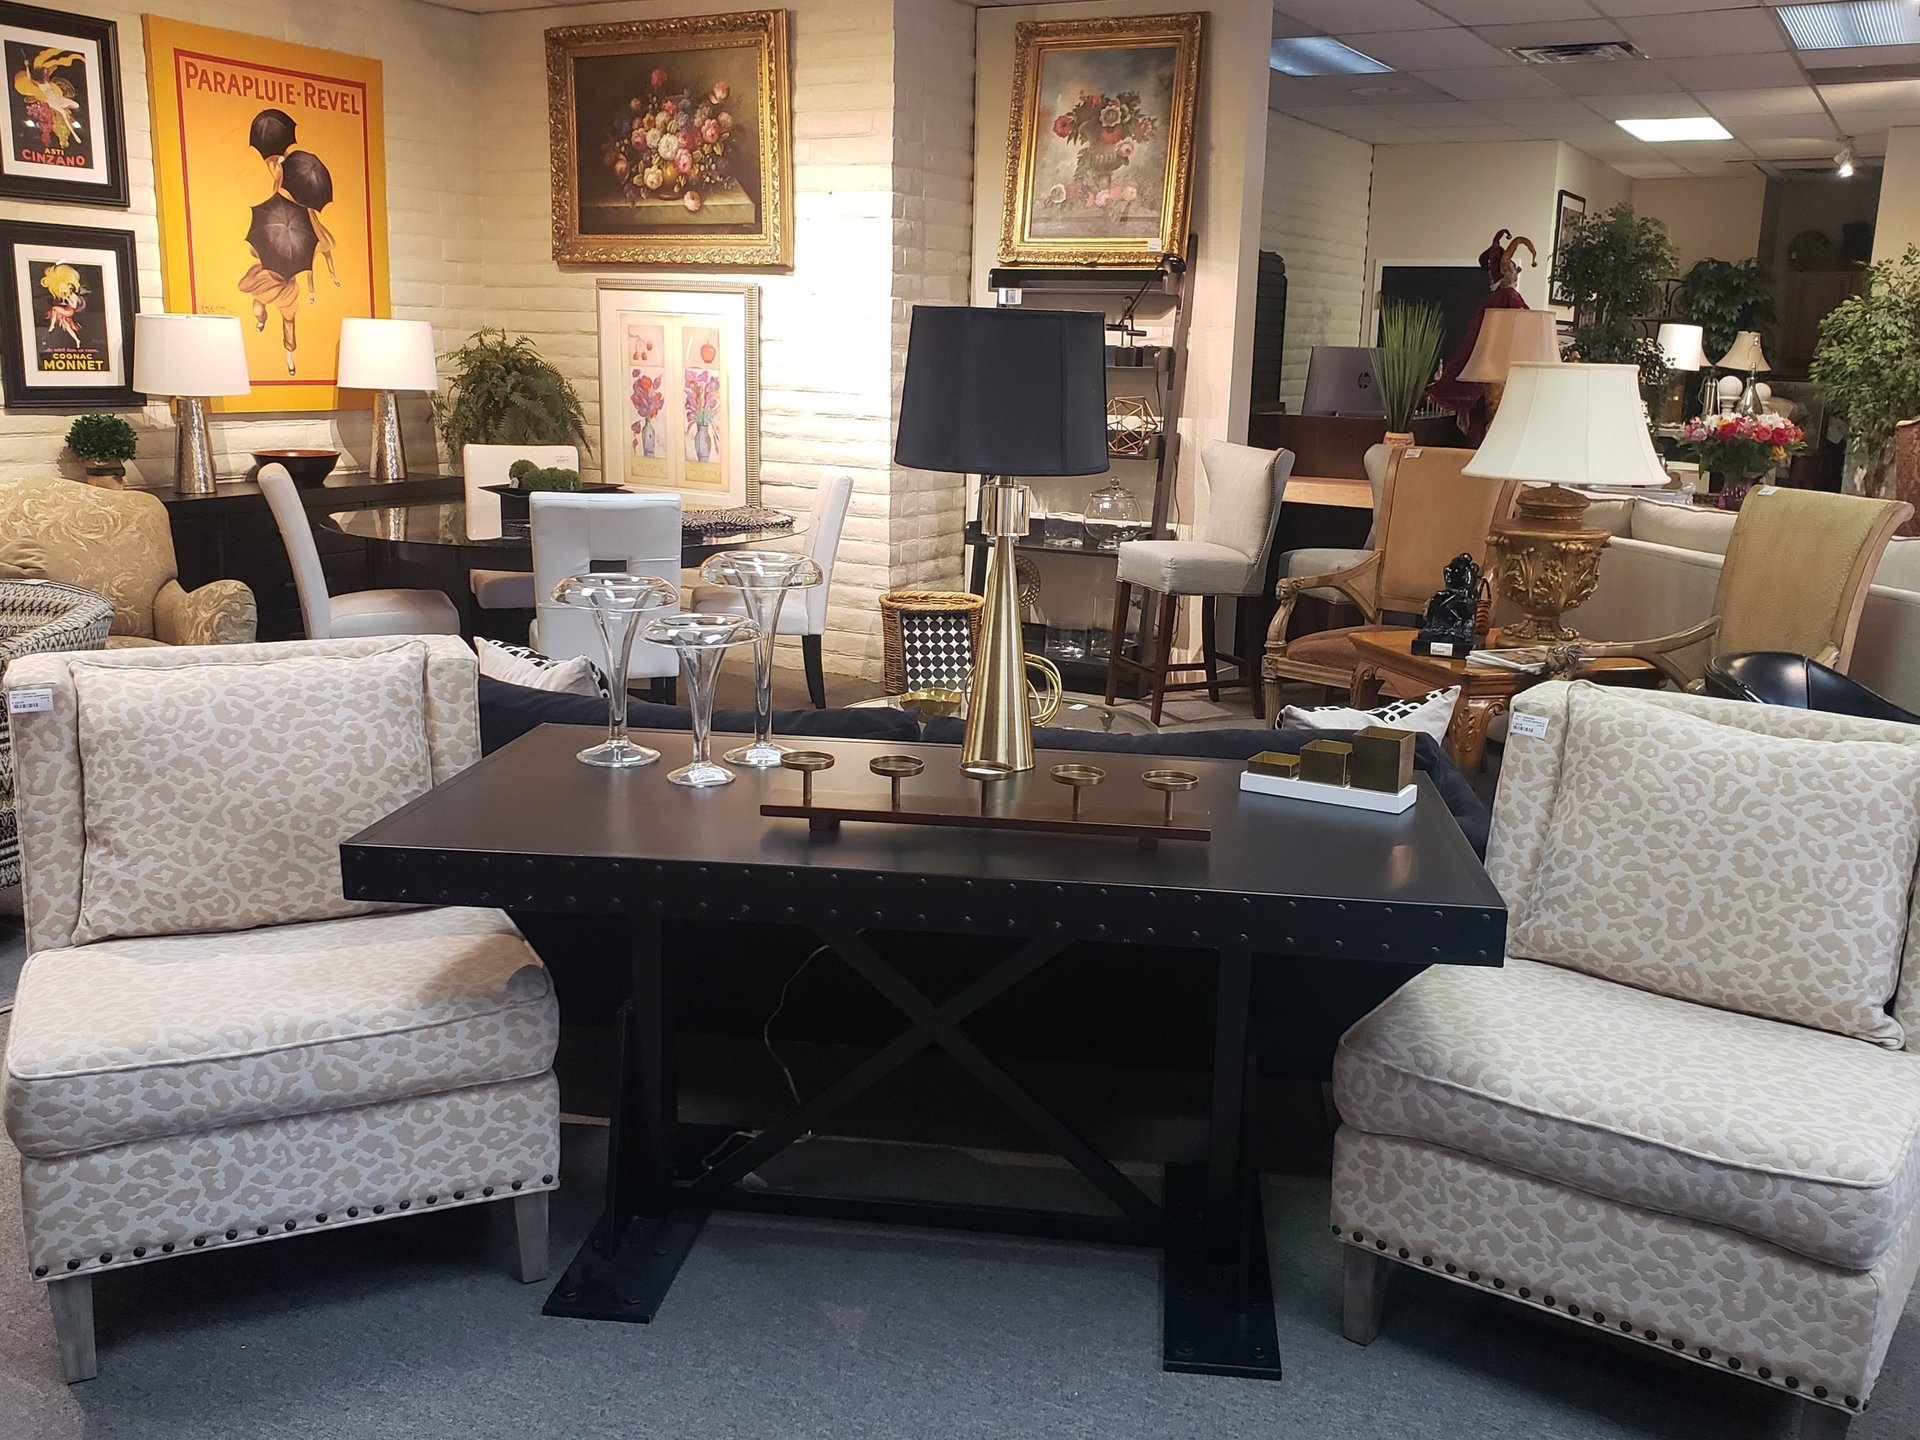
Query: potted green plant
point(1410, 339)
point(104, 444)
point(1724, 297)
point(1868, 363)
point(502, 392)
point(1613, 264)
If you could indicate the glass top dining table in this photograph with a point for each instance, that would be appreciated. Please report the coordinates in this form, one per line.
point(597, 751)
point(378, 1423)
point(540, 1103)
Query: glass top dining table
point(446, 523)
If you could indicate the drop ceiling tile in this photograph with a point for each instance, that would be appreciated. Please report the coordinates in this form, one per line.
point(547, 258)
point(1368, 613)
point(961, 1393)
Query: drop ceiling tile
point(1434, 116)
point(1828, 60)
point(1492, 12)
point(1753, 31)
point(1730, 72)
point(1483, 133)
point(1287, 91)
point(1804, 147)
point(1361, 17)
point(1663, 7)
point(1504, 82)
point(1670, 106)
point(1537, 112)
point(1549, 32)
point(1614, 77)
point(1340, 117)
point(1874, 95)
point(1428, 50)
point(1652, 169)
point(1855, 120)
point(1783, 100)
point(1753, 129)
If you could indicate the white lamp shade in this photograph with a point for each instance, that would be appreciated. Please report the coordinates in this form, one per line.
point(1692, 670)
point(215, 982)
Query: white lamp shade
point(387, 355)
point(1683, 347)
point(198, 355)
point(1510, 335)
point(1575, 425)
point(1745, 354)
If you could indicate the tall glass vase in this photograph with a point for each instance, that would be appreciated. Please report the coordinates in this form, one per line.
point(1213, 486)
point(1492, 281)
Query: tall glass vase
point(763, 578)
point(702, 641)
point(617, 603)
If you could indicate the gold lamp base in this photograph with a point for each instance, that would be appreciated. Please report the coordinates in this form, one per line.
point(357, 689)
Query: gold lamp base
point(999, 723)
point(1548, 562)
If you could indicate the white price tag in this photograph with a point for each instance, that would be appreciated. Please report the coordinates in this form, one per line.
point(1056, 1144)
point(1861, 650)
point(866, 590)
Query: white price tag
point(1532, 726)
point(30, 701)
point(1443, 648)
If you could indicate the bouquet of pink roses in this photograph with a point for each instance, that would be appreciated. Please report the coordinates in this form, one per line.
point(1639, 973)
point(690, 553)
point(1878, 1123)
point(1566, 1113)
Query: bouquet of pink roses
point(675, 144)
point(1742, 446)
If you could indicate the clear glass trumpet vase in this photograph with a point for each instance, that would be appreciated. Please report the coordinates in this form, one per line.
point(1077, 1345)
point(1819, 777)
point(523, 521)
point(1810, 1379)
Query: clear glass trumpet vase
point(702, 642)
point(763, 578)
point(618, 602)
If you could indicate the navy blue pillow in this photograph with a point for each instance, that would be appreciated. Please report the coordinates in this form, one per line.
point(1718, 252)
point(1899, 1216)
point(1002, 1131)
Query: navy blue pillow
point(508, 711)
point(1466, 807)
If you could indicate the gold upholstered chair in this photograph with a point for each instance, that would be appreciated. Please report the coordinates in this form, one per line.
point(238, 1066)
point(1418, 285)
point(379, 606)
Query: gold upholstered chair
point(1795, 578)
point(117, 543)
point(1429, 512)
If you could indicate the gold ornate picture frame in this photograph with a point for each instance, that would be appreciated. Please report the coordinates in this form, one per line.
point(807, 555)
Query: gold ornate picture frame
point(1100, 140)
point(672, 141)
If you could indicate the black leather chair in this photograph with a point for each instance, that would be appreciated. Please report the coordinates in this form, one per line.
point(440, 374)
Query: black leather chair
point(1776, 677)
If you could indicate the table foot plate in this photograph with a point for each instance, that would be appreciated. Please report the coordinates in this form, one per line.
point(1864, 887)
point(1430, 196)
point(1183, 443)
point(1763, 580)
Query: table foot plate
point(631, 1281)
point(1218, 1318)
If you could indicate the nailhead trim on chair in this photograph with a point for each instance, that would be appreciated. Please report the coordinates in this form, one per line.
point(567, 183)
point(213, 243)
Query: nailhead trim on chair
point(142, 1252)
point(1627, 1327)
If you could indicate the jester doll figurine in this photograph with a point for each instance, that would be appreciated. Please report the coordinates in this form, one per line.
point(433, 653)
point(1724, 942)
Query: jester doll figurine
point(1465, 398)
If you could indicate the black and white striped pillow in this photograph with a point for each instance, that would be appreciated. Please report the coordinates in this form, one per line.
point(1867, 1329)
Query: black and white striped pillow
point(1427, 714)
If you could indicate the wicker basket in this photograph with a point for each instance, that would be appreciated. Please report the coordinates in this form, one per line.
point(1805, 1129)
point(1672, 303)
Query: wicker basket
point(928, 637)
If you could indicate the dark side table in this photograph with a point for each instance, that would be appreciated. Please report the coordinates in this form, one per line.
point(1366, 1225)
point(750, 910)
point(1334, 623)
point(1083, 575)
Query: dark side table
point(529, 828)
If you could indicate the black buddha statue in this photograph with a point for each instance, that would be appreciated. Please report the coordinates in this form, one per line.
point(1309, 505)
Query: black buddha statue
point(1447, 629)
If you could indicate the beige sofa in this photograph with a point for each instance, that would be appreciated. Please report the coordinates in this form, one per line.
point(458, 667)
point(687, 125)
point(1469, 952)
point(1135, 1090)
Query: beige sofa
point(117, 543)
point(1658, 575)
point(211, 1045)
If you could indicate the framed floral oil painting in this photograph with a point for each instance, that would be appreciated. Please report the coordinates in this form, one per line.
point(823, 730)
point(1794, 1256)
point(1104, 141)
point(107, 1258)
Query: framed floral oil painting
point(672, 141)
point(65, 137)
point(680, 389)
point(67, 315)
point(1100, 141)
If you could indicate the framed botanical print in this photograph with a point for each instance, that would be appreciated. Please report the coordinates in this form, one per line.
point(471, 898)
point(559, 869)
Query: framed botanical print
point(672, 141)
point(1100, 141)
point(1568, 211)
point(67, 311)
point(65, 137)
point(680, 389)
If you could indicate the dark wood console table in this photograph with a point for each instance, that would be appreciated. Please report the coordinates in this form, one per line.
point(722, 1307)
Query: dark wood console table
point(230, 535)
point(529, 828)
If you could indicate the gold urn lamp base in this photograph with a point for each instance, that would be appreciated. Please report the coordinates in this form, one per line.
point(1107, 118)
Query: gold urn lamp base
point(1548, 561)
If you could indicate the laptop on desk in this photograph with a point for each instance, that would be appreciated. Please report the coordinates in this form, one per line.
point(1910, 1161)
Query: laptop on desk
point(1340, 381)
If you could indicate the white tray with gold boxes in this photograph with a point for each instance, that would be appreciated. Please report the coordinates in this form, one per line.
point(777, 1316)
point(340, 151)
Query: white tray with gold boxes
point(1373, 771)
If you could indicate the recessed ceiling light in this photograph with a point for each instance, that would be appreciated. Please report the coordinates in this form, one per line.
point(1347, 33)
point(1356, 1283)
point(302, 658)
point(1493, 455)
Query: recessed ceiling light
point(1322, 55)
point(1849, 23)
point(1691, 127)
point(1379, 90)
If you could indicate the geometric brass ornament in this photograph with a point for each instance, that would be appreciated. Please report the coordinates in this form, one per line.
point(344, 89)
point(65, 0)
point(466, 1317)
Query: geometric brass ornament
point(1132, 426)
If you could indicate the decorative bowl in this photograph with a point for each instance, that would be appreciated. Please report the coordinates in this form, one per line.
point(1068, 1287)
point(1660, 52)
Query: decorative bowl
point(515, 506)
point(307, 467)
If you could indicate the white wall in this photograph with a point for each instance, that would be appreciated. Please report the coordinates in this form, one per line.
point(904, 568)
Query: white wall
point(1899, 222)
point(1708, 219)
point(433, 219)
point(1313, 213)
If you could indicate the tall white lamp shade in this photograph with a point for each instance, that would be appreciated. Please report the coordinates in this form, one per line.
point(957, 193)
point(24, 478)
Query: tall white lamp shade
point(1573, 425)
point(192, 358)
point(1745, 354)
point(1683, 347)
point(384, 356)
point(1509, 336)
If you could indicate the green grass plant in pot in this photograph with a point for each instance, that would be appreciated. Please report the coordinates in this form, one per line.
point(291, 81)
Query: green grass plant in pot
point(501, 391)
point(104, 444)
point(1411, 333)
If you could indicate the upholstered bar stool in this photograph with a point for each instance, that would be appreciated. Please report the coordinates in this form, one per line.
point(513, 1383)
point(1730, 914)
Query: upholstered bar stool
point(1229, 558)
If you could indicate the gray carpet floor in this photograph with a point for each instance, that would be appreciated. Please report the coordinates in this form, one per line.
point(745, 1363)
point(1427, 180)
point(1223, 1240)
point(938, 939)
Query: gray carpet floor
point(414, 1329)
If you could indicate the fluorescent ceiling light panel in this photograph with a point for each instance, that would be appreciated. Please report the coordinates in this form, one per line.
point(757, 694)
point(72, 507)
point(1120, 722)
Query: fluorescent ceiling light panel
point(1692, 127)
point(1851, 23)
point(1322, 55)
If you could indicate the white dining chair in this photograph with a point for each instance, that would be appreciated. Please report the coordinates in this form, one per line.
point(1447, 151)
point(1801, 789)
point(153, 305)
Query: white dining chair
point(362, 612)
point(634, 534)
point(804, 614)
point(484, 465)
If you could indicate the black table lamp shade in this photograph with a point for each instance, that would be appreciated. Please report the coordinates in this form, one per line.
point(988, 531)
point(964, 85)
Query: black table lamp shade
point(1004, 392)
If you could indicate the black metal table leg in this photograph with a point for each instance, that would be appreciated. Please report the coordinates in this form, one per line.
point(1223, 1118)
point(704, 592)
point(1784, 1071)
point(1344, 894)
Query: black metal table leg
point(628, 1264)
point(1217, 1289)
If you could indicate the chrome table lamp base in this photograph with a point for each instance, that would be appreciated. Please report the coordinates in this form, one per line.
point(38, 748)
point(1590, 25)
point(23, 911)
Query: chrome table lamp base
point(193, 447)
point(388, 460)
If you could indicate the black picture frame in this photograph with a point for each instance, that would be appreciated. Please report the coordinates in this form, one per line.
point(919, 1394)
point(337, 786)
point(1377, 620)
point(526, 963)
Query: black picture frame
point(22, 318)
point(106, 185)
point(1567, 207)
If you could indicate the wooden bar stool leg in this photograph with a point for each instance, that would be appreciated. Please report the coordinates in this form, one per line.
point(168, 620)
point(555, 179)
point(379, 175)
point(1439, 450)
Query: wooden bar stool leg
point(1117, 636)
point(1162, 657)
point(1210, 648)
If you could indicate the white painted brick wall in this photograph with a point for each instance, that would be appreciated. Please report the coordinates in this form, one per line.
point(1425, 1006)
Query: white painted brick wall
point(1314, 213)
point(427, 54)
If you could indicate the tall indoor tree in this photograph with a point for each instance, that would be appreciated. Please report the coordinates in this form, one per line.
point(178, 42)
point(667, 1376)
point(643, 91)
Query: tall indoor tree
point(1614, 264)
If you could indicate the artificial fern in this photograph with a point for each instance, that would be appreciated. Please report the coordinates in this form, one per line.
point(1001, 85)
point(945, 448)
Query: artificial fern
point(503, 393)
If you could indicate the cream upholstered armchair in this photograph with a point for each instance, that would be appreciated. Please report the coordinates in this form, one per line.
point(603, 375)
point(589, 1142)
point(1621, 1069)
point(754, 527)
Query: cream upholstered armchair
point(1428, 513)
point(1795, 578)
point(210, 1045)
point(120, 544)
point(1687, 1109)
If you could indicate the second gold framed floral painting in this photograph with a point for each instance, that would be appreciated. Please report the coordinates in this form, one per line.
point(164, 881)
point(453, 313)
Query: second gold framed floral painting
point(1100, 141)
point(672, 141)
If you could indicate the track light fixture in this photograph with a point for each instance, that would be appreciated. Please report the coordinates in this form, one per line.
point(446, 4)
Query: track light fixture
point(1844, 160)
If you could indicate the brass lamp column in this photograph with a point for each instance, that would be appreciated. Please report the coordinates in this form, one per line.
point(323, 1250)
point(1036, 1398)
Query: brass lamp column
point(1003, 393)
